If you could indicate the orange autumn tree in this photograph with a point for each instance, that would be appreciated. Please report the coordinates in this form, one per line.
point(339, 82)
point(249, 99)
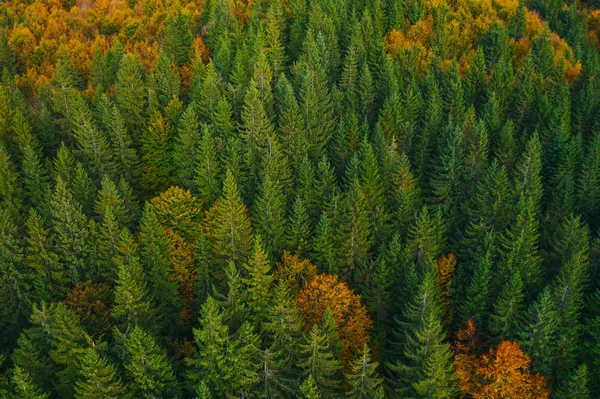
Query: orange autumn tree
point(91, 302)
point(325, 292)
point(295, 271)
point(445, 267)
point(501, 373)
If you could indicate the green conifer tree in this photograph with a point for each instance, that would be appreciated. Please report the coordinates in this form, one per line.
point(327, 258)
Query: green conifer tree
point(364, 381)
point(230, 232)
point(99, 379)
point(148, 366)
point(319, 362)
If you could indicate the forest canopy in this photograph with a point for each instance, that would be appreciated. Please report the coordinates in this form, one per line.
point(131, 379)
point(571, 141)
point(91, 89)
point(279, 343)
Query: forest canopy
point(299, 199)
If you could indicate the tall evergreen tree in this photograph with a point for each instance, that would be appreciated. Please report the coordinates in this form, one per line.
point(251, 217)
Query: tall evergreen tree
point(229, 229)
point(147, 364)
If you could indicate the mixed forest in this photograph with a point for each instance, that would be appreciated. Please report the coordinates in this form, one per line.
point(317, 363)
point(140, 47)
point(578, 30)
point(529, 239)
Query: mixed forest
point(299, 199)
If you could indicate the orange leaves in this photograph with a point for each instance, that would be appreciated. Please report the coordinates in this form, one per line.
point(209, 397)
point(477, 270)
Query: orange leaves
point(445, 267)
point(294, 271)
point(91, 303)
point(350, 315)
point(501, 373)
point(563, 55)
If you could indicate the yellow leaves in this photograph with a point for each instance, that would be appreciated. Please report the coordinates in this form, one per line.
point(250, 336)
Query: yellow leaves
point(325, 292)
point(179, 210)
point(412, 44)
point(182, 258)
point(563, 56)
point(294, 271)
point(533, 23)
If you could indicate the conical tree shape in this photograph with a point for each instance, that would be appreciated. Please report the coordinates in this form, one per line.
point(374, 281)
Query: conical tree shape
point(98, 380)
point(41, 256)
point(269, 211)
point(131, 94)
point(508, 309)
point(147, 364)
point(72, 234)
point(228, 225)
point(364, 381)
point(132, 302)
point(259, 283)
point(25, 387)
point(155, 258)
point(212, 339)
point(319, 363)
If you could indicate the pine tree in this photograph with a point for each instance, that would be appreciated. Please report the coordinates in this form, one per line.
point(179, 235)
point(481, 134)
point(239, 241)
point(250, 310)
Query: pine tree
point(203, 392)
point(208, 168)
point(185, 150)
point(427, 369)
point(156, 155)
point(10, 190)
point(309, 389)
point(520, 245)
point(319, 363)
point(576, 387)
point(425, 239)
point(109, 199)
point(72, 234)
point(508, 309)
point(364, 382)
point(154, 254)
point(298, 234)
point(131, 94)
point(25, 388)
point(324, 247)
point(147, 364)
point(283, 327)
point(290, 123)
point(99, 379)
point(165, 80)
point(42, 259)
point(178, 39)
point(132, 301)
point(229, 229)
point(477, 304)
point(538, 334)
point(407, 196)
point(124, 153)
point(15, 291)
point(212, 339)
point(256, 128)
point(269, 216)
point(259, 283)
point(69, 344)
point(356, 230)
point(92, 142)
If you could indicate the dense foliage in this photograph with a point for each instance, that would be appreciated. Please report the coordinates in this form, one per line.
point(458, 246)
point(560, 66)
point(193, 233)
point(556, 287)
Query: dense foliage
point(299, 199)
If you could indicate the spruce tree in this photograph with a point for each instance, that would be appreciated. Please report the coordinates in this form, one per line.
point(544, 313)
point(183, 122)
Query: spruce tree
point(299, 233)
point(426, 368)
point(269, 216)
point(72, 234)
point(158, 268)
point(148, 367)
point(229, 229)
point(131, 94)
point(25, 388)
point(364, 382)
point(319, 363)
point(99, 379)
point(258, 283)
point(212, 339)
point(41, 258)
